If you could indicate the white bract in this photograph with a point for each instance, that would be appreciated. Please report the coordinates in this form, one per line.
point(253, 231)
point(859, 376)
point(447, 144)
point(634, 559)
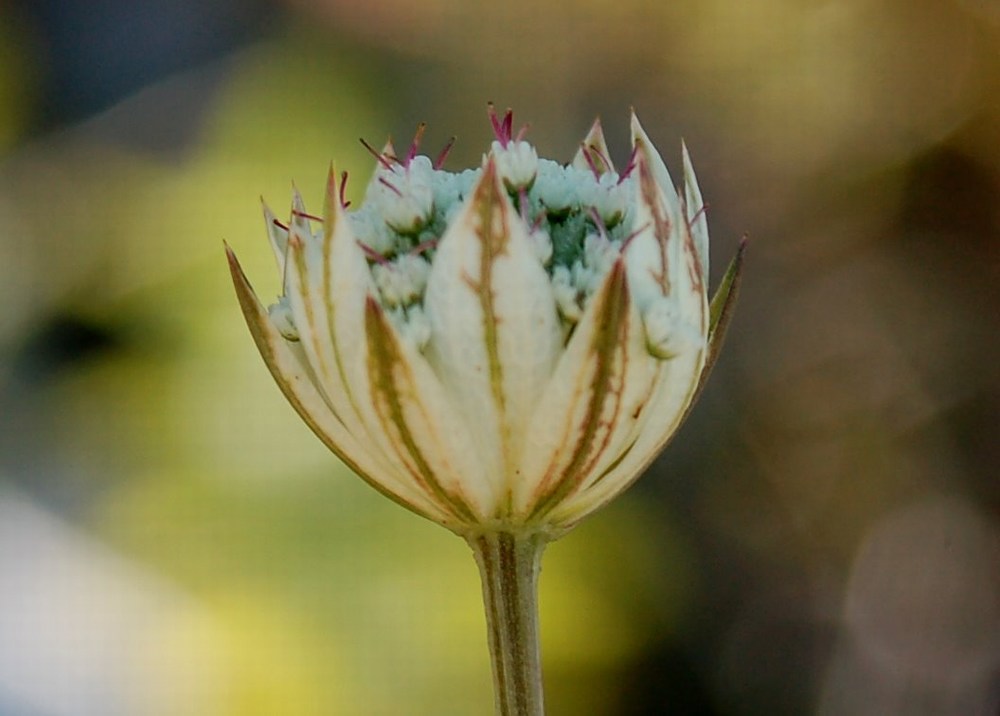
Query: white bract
point(504, 348)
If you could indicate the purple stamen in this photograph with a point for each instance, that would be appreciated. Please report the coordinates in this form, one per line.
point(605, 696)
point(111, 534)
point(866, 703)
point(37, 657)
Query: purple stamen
point(415, 144)
point(585, 150)
point(501, 129)
point(373, 255)
point(632, 163)
point(697, 215)
point(379, 157)
point(424, 246)
point(304, 215)
point(343, 190)
point(599, 223)
point(439, 162)
point(385, 182)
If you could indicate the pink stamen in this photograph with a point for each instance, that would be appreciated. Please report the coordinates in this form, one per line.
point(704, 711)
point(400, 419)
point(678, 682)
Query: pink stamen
point(600, 155)
point(343, 189)
point(521, 132)
point(304, 215)
point(424, 246)
point(439, 162)
point(632, 163)
point(697, 215)
point(585, 150)
point(415, 144)
point(373, 255)
point(379, 157)
point(501, 129)
point(508, 123)
point(386, 183)
point(599, 222)
point(522, 203)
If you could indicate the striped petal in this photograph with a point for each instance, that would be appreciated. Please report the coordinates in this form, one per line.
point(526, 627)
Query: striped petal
point(421, 424)
point(646, 150)
point(495, 334)
point(293, 378)
point(674, 389)
point(598, 392)
point(697, 215)
point(329, 287)
point(277, 236)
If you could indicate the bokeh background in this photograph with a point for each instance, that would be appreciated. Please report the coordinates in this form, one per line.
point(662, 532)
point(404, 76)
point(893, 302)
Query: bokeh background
point(822, 536)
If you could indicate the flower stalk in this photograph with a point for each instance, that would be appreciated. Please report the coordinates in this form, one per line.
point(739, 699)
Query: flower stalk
point(509, 565)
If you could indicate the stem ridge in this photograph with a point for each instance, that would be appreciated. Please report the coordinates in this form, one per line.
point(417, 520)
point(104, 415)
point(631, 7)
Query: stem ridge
point(509, 565)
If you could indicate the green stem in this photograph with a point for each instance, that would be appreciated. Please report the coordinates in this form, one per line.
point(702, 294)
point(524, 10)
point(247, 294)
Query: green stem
point(509, 565)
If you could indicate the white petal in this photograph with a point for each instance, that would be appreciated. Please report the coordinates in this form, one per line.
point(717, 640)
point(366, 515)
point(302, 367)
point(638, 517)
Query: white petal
point(645, 147)
point(495, 334)
point(697, 216)
point(294, 378)
point(676, 384)
point(677, 381)
point(277, 237)
point(590, 407)
point(420, 422)
point(329, 285)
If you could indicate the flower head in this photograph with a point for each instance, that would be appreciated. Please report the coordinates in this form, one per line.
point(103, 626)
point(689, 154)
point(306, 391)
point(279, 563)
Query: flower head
point(500, 348)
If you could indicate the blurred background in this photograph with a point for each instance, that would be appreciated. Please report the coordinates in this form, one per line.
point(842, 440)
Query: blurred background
point(822, 536)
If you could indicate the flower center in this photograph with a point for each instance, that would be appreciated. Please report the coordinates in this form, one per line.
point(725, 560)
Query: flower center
point(578, 219)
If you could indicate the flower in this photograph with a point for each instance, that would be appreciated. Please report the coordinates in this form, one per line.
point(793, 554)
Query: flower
point(505, 348)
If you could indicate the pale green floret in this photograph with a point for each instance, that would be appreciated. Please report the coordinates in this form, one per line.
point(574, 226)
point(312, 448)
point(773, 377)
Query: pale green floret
point(281, 316)
point(610, 198)
point(558, 188)
point(369, 228)
point(402, 281)
point(541, 242)
point(404, 195)
point(576, 223)
point(667, 333)
point(566, 294)
point(517, 164)
point(412, 324)
point(574, 285)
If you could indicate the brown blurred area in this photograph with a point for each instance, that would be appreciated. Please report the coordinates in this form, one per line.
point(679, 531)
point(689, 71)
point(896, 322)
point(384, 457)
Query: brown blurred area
point(823, 536)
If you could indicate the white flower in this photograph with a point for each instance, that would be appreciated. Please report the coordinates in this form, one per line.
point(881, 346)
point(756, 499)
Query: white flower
point(500, 349)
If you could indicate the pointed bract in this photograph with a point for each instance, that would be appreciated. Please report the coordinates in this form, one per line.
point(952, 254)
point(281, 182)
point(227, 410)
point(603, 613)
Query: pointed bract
point(593, 153)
